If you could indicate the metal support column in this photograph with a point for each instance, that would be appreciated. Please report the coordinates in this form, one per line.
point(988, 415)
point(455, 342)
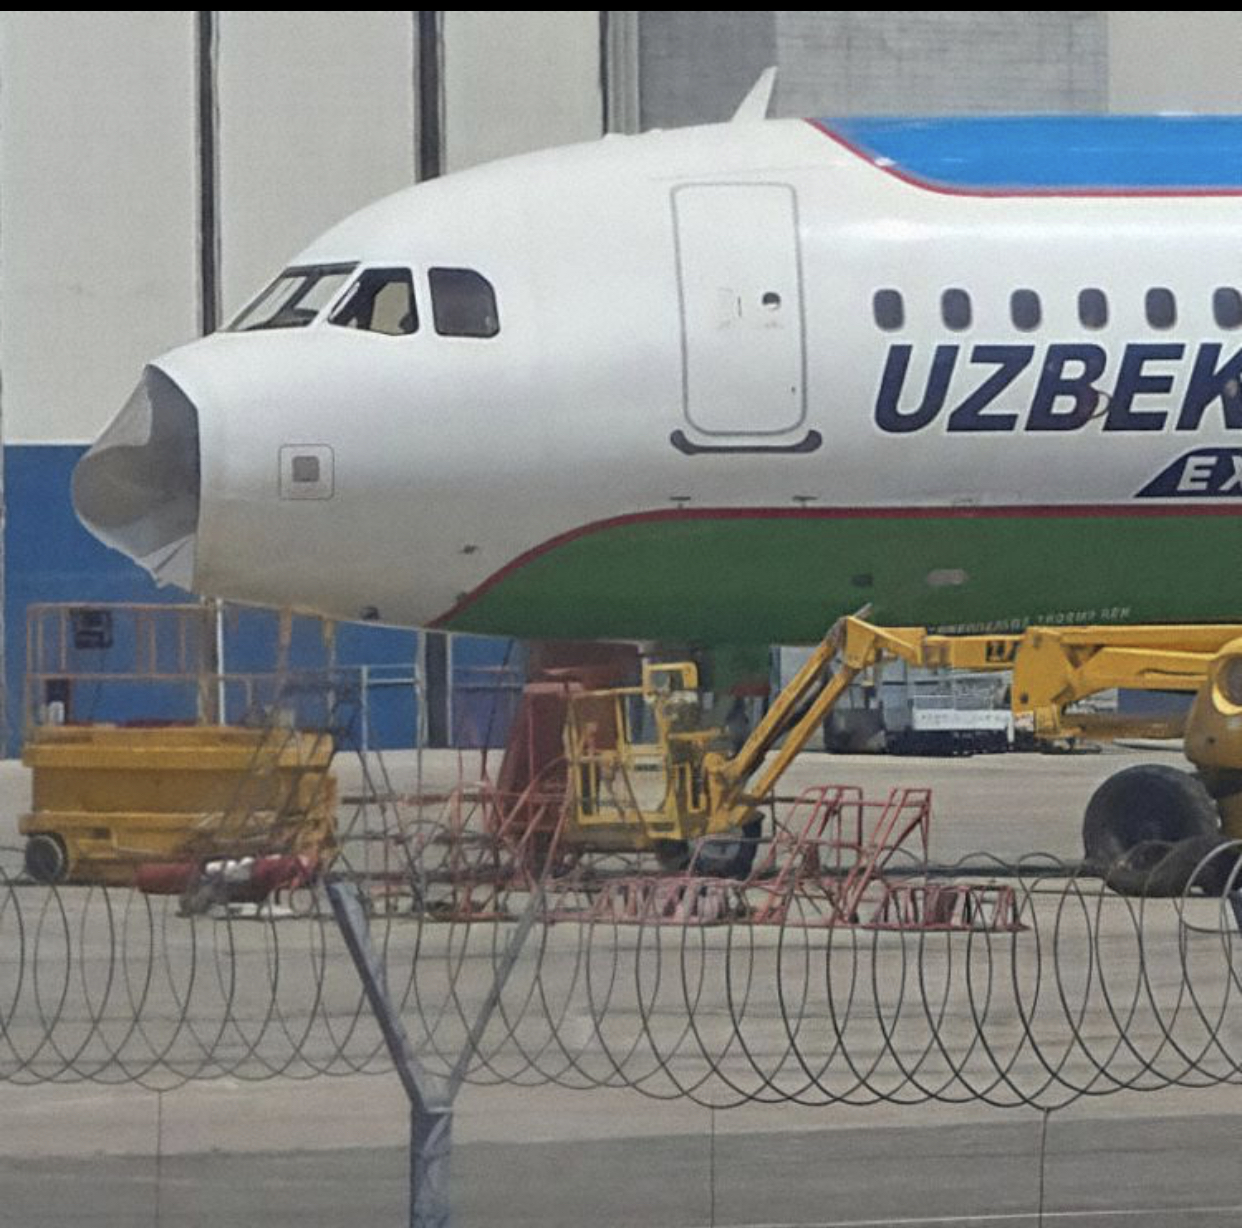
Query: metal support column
point(431, 1107)
point(431, 1098)
point(429, 80)
point(207, 34)
point(437, 673)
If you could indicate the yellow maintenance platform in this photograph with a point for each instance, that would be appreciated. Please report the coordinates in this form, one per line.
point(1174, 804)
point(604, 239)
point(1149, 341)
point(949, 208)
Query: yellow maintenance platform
point(222, 767)
point(107, 799)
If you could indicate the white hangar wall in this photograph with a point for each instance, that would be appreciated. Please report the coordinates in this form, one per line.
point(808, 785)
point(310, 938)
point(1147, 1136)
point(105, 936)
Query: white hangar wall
point(317, 116)
point(97, 211)
point(517, 81)
point(693, 67)
point(101, 191)
point(318, 113)
point(1175, 61)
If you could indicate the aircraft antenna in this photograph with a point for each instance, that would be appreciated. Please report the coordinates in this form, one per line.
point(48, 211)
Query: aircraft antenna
point(756, 103)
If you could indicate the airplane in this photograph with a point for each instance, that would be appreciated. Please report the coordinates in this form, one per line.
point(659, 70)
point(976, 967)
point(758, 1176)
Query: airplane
point(720, 384)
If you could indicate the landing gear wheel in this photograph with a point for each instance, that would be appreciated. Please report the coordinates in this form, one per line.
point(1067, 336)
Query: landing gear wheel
point(46, 858)
point(1148, 830)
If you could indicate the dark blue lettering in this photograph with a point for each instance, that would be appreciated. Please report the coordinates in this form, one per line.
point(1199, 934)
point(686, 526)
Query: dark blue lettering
point(889, 416)
point(1054, 383)
point(1209, 382)
point(1206, 473)
point(1132, 382)
point(1011, 361)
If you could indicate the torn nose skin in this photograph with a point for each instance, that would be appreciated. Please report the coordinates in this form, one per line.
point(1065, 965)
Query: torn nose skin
point(137, 489)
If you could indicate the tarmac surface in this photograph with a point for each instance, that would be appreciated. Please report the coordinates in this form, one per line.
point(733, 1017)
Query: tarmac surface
point(330, 1150)
point(980, 1175)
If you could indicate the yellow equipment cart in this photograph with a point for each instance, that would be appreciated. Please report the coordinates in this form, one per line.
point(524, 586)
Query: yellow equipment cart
point(222, 770)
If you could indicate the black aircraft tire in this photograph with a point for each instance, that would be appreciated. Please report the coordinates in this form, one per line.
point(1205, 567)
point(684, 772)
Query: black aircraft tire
point(1147, 830)
point(46, 859)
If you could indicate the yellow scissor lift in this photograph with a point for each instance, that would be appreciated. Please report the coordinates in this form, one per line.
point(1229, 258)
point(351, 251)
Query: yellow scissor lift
point(640, 777)
point(114, 798)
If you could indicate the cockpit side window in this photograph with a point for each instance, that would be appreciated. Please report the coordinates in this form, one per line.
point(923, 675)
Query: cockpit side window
point(380, 301)
point(463, 303)
point(294, 299)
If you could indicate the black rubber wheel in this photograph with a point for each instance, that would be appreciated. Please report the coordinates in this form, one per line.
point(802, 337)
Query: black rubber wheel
point(46, 858)
point(728, 856)
point(673, 855)
point(1149, 828)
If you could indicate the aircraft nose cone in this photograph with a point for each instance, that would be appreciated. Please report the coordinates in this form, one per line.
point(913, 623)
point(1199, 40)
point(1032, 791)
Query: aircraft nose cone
point(137, 489)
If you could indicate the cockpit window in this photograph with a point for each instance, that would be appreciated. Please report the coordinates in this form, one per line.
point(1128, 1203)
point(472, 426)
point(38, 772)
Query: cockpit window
point(294, 299)
point(463, 303)
point(380, 301)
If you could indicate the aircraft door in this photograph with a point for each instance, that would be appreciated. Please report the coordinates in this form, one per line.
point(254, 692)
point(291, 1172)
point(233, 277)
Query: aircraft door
point(740, 285)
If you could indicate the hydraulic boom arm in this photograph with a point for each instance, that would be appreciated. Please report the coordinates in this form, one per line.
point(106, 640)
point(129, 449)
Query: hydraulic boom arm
point(1053, 668)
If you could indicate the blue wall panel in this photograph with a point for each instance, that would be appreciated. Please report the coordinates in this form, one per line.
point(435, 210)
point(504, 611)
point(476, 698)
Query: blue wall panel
point(50, 557)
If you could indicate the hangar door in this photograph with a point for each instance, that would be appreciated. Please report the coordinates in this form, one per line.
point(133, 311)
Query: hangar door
point(741, 307)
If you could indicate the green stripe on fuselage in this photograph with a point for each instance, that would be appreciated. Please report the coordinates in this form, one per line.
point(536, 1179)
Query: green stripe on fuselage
point(783, 580)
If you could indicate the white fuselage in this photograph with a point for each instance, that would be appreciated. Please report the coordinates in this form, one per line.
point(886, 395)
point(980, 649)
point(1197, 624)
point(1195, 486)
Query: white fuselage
point(687, 322)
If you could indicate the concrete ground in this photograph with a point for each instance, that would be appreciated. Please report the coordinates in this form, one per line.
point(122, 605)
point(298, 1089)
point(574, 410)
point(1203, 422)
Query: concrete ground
point(329, 1150)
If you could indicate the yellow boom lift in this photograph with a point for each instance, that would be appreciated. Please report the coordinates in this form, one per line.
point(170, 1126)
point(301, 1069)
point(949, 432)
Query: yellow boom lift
point(640, 776)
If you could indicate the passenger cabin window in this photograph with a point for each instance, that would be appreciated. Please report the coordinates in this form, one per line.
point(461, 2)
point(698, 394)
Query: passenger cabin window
point(380, 301)
point(1024, 310)
point(1093, 308)
point(888, 309)
point(463, 303)
point(294, 299)
point(1161, 307)
point(1227, 307)
point(955, 309)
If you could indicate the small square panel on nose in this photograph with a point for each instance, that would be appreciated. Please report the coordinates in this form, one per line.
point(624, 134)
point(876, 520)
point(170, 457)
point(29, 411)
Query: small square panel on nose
point(306, 471)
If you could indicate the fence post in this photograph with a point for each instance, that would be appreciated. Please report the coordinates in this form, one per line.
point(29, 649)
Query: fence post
point(431, 1107)
point(431, 1099)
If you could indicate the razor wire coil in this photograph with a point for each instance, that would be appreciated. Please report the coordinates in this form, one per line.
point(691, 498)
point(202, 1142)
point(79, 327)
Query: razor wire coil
point(1091, 993)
